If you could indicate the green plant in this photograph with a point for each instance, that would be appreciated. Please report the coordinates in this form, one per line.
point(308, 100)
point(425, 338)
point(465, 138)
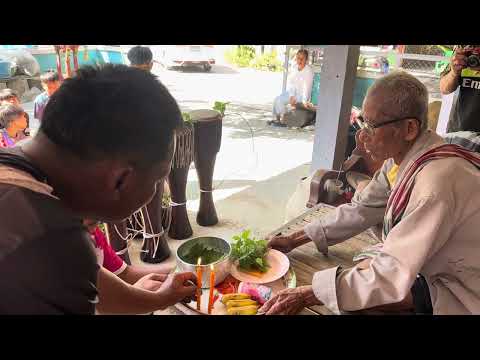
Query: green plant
point(241, 56)
point(268, 61)
point(220, 107)
point(187, 117)
point(101, 225)
point(250, 252)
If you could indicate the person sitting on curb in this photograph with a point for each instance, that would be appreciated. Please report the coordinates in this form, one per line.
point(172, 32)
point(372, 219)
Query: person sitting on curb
point(299, 90)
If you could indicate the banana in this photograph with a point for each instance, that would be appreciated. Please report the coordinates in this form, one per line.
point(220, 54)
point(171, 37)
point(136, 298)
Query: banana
point(240, 303)
point(236, 296)
point(243, 310)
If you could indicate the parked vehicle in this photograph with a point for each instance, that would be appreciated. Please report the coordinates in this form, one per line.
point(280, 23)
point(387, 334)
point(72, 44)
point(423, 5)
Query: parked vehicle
point(172, 56)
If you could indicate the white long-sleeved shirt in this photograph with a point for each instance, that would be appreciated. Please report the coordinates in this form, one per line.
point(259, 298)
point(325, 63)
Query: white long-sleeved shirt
point(300, 83)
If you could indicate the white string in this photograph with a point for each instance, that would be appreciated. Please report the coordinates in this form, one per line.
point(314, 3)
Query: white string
point(123, 251)
point(172, 203)
point(206, 191)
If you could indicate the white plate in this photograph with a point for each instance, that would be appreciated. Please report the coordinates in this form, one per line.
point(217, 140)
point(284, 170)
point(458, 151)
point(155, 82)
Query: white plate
point(279, 265)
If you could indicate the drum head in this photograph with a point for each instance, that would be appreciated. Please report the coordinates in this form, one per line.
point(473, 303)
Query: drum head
point(204, 115)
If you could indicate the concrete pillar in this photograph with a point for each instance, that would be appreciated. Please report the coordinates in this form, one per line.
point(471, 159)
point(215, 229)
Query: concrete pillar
point(335, 97)
point(445, 110)
point(285, 68)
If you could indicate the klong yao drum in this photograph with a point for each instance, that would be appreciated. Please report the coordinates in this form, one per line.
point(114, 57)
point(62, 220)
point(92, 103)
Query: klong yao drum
point(207, 140)
point(155, 247)
point(180, 227)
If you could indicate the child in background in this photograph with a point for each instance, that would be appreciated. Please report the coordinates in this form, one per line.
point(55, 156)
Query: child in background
point(141, 57)
point(50, 83)
point(13, 123)
point(131, 274)
point(8, 96)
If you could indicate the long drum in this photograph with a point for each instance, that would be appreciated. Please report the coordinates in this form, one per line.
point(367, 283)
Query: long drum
point(208, 138)
point(180, 227)
point(155, 247)
point(117, 234)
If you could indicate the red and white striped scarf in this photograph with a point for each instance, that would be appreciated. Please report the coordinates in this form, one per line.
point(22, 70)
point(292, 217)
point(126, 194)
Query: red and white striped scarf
point(398, 200)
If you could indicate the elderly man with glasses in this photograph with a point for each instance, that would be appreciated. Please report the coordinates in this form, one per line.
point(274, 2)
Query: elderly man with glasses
point(424, 196)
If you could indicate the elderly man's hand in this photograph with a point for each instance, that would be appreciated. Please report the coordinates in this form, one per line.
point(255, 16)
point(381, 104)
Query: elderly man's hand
point(287, 243)
point(289, 301)
point(458, 61)
point(281, 243)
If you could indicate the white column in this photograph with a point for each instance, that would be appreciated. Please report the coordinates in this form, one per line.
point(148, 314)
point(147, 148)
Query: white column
point(335, 97)
point(445, 110)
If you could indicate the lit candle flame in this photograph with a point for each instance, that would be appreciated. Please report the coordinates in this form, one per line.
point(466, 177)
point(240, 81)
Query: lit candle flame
point(211, 267)
point(199, 261)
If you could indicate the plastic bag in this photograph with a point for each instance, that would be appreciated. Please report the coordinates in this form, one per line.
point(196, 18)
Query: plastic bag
point(23, 62)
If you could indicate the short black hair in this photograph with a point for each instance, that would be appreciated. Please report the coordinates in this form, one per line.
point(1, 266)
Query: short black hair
point(9, 113)
point(304, 52)
point(140, 55)
point(111, 111)
point(7, 94)
point(49, 76)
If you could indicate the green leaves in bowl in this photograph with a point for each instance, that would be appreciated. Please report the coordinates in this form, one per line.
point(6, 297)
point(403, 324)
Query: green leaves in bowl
point(209, 254)
point(250, 252)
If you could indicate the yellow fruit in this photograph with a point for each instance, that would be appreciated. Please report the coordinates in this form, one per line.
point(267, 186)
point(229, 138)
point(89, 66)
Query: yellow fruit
point(239, 303)
point(236, 296)
point(243, 310)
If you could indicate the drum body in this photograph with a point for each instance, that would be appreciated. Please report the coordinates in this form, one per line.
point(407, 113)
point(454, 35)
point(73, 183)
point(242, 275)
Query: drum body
point(155, 247)
point(180, 227)
point(208, 138)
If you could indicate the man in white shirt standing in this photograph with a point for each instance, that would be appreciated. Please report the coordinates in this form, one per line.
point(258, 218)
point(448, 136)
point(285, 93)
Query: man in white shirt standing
point(298, 91)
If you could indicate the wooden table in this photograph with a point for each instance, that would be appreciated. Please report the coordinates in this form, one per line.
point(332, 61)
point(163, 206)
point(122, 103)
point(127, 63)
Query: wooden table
point(306, 259)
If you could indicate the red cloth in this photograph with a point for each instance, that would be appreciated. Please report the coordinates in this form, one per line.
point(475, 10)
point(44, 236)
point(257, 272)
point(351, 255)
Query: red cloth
point(110, 260)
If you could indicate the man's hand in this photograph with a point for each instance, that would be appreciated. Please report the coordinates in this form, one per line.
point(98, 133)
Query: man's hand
point(293, 101)
point(177, 288)
point(458, 61)
point(151, 282)
point(287, 243)
point(289, 301)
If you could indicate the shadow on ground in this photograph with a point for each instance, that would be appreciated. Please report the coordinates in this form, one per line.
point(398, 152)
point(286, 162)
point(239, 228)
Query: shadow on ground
point(249, 119)
point(246, 119)
point(261, 207)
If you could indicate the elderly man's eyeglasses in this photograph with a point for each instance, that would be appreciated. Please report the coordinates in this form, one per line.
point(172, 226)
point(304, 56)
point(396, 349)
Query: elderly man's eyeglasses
point(370, 129)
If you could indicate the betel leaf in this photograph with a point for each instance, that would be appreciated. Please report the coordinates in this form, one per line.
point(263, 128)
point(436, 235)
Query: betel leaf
point(250, 252)
point(209, 254)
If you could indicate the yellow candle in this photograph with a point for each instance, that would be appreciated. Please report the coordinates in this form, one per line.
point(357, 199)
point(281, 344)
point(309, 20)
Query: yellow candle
point(212, 285)
point(199, 283)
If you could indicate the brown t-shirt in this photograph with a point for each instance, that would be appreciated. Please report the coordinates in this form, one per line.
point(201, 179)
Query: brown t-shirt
point(47, 261)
